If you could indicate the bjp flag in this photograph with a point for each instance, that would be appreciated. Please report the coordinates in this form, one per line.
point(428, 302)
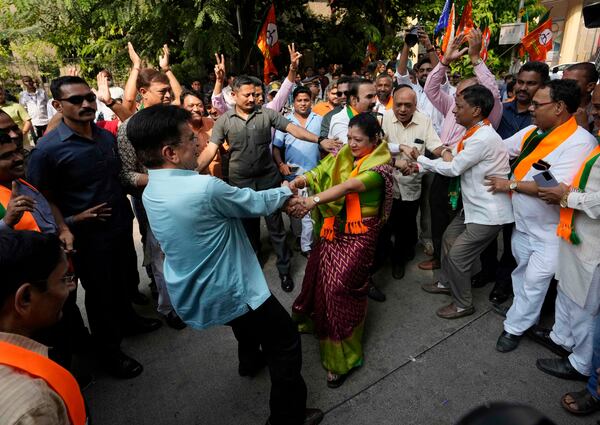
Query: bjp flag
point(539, 41)
point(466, 20)
point(485, 41)
point(449, 34)
point(268, 43)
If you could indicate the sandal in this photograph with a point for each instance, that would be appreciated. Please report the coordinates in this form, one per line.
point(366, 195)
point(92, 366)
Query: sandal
point(581, 403)
point(335, 381)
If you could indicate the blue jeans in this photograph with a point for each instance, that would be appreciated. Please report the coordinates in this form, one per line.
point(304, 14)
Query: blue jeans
point(592, 385)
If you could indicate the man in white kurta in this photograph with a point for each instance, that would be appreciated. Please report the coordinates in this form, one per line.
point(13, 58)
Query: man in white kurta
point(534, 240)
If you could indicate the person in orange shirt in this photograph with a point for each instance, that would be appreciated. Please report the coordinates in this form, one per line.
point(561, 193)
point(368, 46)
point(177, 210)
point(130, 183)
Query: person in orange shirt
point(333, 100)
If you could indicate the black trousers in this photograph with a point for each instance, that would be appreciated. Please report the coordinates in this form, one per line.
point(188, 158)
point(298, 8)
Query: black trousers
point(103, 264)
point(402, 225)
point(441, 212)
point(501, 270)
point(277, 234)
point(271, 328)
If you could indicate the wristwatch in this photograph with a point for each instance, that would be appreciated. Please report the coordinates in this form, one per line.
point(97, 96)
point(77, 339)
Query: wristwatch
point(316, 200)
point(513, 186)
point(477, 62)
point(111, 103)
point(564, 200)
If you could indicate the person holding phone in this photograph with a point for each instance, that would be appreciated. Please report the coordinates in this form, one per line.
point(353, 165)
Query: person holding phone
point(560, 142)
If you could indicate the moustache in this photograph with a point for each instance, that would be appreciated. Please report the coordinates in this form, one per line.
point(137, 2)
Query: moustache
point(87, 110)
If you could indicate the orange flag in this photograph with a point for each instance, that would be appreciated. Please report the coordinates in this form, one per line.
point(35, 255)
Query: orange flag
point(539, 41)
point(466, 21)
point(268, 43)
point(485, 41)
point(449, 34)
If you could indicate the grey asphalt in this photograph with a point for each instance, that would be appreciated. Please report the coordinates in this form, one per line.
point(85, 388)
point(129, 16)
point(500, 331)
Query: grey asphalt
point(419, 369)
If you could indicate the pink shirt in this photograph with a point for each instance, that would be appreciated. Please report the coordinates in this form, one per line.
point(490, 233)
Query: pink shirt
point(276, 104)
point(451, 131)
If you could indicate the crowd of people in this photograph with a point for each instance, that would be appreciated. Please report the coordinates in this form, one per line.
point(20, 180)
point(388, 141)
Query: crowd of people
point(367, 169)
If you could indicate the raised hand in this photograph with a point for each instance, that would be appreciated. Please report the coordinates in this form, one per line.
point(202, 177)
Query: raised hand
point(163, 60)
point(103, 92)
point(424, 38)
point(294, 57)
point(100, 212)
point(454, 52)
point(17, 206)
point(220, 70)
point(475, 43)
point(133, 56)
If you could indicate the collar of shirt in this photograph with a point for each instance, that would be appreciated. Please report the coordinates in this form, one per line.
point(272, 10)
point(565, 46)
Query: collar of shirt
point(257, 110)
point(65, 132)
point(24, 342)
point(512, 107)
point(168, 172)
point(292, 117)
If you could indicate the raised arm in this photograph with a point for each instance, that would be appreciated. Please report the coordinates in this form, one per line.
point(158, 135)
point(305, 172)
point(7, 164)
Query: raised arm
point(130, 91)
point(283, 94)
point(104, 96)
point(217, 98)
point(164, 66)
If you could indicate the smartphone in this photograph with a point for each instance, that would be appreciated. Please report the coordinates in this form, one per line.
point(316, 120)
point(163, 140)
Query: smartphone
point(419, 141)
point(541, 165)
point(545, 179)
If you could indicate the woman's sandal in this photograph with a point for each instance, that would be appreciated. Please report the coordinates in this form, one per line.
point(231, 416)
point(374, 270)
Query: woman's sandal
point(335, 381)
point(582, 403)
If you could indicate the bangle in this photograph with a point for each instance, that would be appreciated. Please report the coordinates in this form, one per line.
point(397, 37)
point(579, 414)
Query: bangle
point(320, 139)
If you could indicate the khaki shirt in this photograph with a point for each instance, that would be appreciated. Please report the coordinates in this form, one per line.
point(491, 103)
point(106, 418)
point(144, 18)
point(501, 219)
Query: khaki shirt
point(408, 188)
point(250, 163)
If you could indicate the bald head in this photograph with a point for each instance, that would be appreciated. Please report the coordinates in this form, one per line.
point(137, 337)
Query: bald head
point(405, 104)
point(466, 83)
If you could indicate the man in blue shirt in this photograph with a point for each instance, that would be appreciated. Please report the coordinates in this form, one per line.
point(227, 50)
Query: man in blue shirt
point(76, 167)
point(300, 156)
point(213, 276)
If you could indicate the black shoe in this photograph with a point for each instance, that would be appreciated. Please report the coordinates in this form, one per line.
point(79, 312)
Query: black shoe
point(140, 325)
point(252, 370)
point(375, 294)
point(561, 368)
point(313, 417)
point(287, 284)
point(174, 321)
point(398, 270)
point(502, 310)
point(500, 293)
point(120, 365)
point(481, 279)
point(139, 299)
point(507, 342)
point(542, 337)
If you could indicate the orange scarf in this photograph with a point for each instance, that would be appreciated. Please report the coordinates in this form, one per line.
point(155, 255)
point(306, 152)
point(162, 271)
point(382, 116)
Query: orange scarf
point(57, 378)
point(566, 225)
point(354, 224)
point(470, 132)
point(552, 140)
point(27, 221)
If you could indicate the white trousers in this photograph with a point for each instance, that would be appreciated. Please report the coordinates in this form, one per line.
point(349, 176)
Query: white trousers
point(536, 263)
point(303, 228)
point(157, 259)
point(574, 326)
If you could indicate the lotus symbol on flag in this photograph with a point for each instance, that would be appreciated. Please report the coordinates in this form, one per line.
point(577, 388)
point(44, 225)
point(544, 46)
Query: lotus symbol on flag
point(272, 36)
point(545, 36)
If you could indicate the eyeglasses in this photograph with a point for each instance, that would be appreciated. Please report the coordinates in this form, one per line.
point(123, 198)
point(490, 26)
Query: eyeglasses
point(536, 105)
point(78, 99)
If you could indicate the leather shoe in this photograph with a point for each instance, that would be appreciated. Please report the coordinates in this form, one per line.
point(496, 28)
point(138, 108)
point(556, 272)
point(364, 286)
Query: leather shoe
point(500, 293)
point(561, 368)
point(450, 311)
point(432, 264)
point(287, 284)
point(174, 321)
point(481, 279)
point(433, 288)
point(312, 417)
point(375, 294)
point(140, 325)
point(120, 365)
point(507, 342)
point(398, 271)
point(542, 337)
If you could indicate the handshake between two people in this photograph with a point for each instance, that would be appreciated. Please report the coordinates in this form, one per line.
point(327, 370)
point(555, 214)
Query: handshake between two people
point(297, 206)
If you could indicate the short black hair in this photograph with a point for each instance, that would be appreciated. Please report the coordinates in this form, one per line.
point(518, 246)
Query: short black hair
point(421, 62)
point(245, 80)
point(344, 79)
point(367, 122)
point(4, 137)
point(65, 80)
point(479, 96)
point(591, 73)
point(26, 257)
point(187, 92)
point(355, 84)
point(540, 67)
point(152, 128)
point(299, 90)
point(566, 91)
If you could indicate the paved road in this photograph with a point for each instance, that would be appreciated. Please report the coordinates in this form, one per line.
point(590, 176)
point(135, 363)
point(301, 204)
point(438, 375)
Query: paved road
point(419, 369)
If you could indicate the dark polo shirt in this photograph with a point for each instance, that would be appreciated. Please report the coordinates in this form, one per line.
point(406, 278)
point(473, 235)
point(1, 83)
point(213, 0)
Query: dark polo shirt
point(512, 120)
point(250, 163)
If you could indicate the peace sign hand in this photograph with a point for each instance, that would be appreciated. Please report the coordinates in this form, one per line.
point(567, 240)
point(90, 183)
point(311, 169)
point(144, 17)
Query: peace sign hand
point(220, 70)
point(294, 57)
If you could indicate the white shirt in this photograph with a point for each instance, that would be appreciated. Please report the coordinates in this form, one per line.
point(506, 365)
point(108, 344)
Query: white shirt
point(338, 127)
point(532, 215)
point(36, 105)
point(483, 155)
point(408, 188)
point(423, 103)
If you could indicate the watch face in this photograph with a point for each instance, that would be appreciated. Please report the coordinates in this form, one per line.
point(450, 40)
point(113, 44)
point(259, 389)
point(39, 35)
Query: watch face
point(316, 199)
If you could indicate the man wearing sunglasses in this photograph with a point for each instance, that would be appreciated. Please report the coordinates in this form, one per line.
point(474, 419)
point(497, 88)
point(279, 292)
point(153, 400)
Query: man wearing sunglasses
point(77, 168)
point(558, 144)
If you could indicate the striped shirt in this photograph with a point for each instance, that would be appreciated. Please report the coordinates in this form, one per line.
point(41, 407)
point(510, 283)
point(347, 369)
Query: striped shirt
point(25, 400)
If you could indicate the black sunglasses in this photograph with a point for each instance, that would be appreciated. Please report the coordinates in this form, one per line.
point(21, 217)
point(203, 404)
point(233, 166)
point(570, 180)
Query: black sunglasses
point(541, 165)
point(78, 99)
